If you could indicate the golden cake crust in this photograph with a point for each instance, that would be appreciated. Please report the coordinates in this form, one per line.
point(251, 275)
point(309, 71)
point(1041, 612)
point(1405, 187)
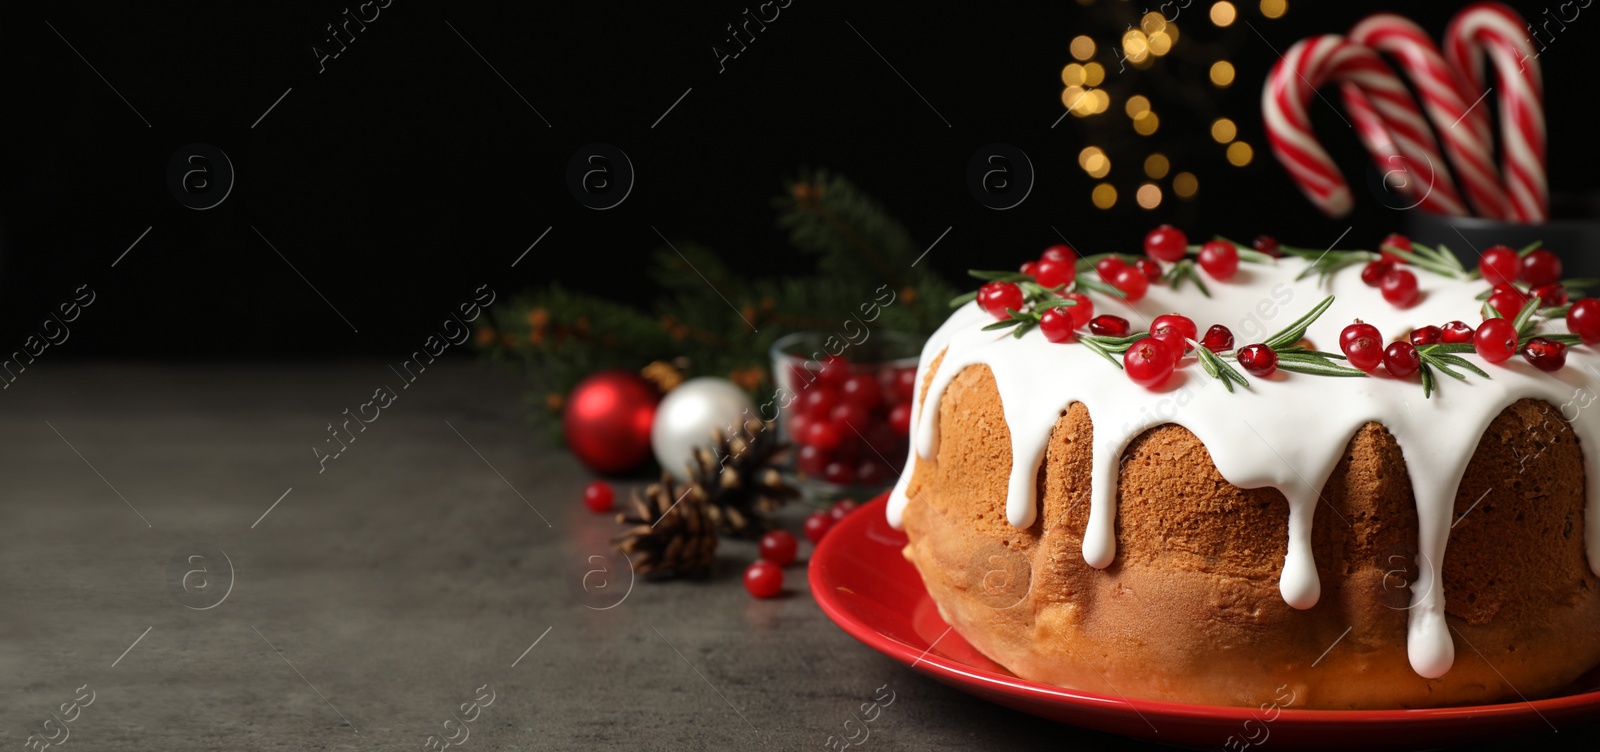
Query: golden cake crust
point(1190, 609)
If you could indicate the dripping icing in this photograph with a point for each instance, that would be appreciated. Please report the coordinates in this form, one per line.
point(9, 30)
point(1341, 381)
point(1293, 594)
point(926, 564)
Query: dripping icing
point(1251, 442)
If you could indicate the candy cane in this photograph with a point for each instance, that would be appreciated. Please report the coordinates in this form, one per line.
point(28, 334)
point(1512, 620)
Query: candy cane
point(1392, 122)
point(1462, 127)
point(1497, 30)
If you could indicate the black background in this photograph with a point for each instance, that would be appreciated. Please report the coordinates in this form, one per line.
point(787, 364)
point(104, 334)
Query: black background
point(408, 173)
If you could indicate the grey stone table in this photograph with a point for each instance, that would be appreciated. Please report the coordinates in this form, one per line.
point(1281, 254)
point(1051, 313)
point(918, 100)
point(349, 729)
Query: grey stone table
point(372, 596)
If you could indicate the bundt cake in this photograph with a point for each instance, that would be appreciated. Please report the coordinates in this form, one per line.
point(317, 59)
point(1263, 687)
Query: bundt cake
point(1367, 537)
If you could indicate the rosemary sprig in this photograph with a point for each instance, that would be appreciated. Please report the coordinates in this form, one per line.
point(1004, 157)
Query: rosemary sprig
point(1182, 270)
point(1246, 253)
point(1530, 248)
point(1316, 363)
point(1099, 286)
point(1524, 323)
point(1566, 339)
point(1296, 331)
point(1437, 260)
point(1436, 357)
point(1326, 263)
point(1218, 368)
point(1105, 347)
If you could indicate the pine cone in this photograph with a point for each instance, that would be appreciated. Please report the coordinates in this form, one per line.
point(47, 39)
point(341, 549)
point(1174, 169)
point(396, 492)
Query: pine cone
point(670, 533)
point(737, 481)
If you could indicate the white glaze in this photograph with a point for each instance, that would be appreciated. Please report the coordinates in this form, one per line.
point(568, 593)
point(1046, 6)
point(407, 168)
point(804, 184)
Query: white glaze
point(1286, 432)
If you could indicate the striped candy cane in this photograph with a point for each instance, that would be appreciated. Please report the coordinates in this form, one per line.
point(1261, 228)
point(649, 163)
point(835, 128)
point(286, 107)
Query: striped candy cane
point(1496, 30)
point(1448, 101)
point(1388, 122)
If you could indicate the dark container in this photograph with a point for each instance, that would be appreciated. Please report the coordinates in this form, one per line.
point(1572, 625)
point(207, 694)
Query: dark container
point(1573, 233)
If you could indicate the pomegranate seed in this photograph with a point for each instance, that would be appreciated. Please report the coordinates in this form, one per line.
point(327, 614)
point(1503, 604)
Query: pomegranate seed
point(1150, 269)
point(778, 547)
point(1268, 245)
point(1456, 333)
point(1426, 335)
point(1550, 295)
point(1258, 360)
point(1545, 354)
point(1583, 319)
point(1218, 338)
point(1056, 323)
point(1362, 345)
point(1149, 362)
point(1051, 273)
point(1401, 359)
point(1495, 340)
point(1082, 310)
point(1107, 325)
point(763, 579)
point(1373, 273)
point(1541, 267)
point(1499, 265)
point(996, 297)
point(1219, 259)
point(1399, 287)
point(1166, 243)
point(1508, 302)
point(1132, 283)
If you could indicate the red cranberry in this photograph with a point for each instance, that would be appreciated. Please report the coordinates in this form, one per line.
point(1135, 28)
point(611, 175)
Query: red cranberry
point(1149, 362)
point(836, 369)
point(598, 496)
point(1268, 245)
point(822, 435)
point(1056, 323)
point(1541, 267)
point(1258, 360)
point(1362, 345)
point(848, 417)
point(1495, 340)
point(841, 509)
point(1030, 268)
point(1131, 282)
point(1220, 259)
point(779, 547)
point(1508, 302)
point(1550, 295)
point(1166, 243)
point(1218, 338)
point(1059, 252)
point(763, 579)
point(839, 473)
point(1545, 354)
point(1401, 359)
point(1457, 333)
point(1426, 335)
point(1175, 323)
point(1082, 309)
point(817, 402)
point(1107, 325)
point(1583, 319)
point(1050, 273)
point(1108, 267)
point(871, 472)
point(905, 384)
point(1399, 288)
point(861, 389)
point(811, 460)
point(1394, 240)
point(1150, 269)
point(900, 418)
point(1499, 265)
point(817, 525)
point(996, 297)
point(1373, 273)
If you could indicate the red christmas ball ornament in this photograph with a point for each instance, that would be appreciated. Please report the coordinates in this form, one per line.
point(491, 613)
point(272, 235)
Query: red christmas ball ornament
point(607, 420)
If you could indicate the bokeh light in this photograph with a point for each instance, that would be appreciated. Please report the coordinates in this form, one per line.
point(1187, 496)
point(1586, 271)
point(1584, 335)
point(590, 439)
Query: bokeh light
point(1223, 13)
point(1094, 162)
point(1104, 196)
point(1274, 8)
point(1222, 73)
point(1135, 46)
point(1136, 104)
point(1185, 184)
point(1223, 130)
point(1146, 123)
point(1156, 166)
point(1240, 153)
point(1093, 74)
point(1082, 48)
point(1073, 75)
point(1148, 196)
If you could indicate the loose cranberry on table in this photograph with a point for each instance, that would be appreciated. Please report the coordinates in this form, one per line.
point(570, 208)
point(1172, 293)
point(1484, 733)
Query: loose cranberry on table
point(779, 547)
point(1583, 319)
point(1495, 340)
point(1218, 338)
point(1052, 273)
point(1362, 345)
point(1258, 360)
point(1541, 267)
point(1107, 325)
point(1427, 335)
point(817, 525)
point(1220, 259)
point(763, 579)
point(1401, 359)
point(1148, 362)
point(1150, 269)
point(1508, 301)
point(1132, 283)
point(1550, 295)
point(1456, 333)
point(1399, 287)
point(900, 418)
point(1166, 243)
point(1373, 273)
point(996, 297)
point(1545, 354)
point(598, 496)
point(1500, 265)
point(1082, 310)
point(1268, 245)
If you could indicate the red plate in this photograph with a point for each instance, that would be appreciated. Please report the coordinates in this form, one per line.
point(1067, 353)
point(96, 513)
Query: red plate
point(866, 587)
